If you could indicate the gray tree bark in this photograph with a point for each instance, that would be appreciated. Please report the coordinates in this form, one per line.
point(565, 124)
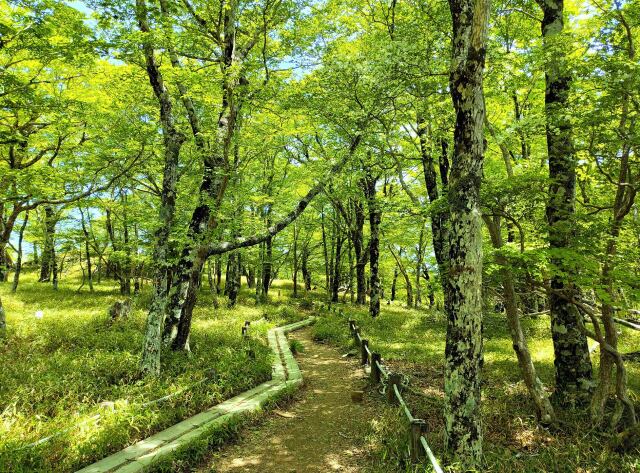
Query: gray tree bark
point(463, 294)
point(572, 362)
point(173, 140)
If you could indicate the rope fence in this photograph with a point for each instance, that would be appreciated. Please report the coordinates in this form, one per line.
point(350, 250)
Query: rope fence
point(392, 383)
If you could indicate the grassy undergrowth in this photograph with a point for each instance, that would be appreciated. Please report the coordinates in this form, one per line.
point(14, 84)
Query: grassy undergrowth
point(72, 364)
point(413, 341)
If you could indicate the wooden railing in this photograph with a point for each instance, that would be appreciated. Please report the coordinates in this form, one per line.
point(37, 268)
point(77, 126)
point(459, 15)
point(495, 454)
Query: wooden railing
point(392, 382)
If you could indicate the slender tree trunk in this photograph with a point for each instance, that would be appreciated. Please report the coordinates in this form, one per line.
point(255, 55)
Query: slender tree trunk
point(572, 362)
point(267, 266)
point(623, 203)
point(544, 409)
point(335, 280)
point(125, 279)
point(306, 273)
point(87, 250)
point(296, 235)
point(16, 275)
point(463, 294)
point(234, 275)
point(405, 275)
point(48, 250)
point(419, 260)
point(325, 248)
point(360, 253)
point(375, 217)
point(394, 282)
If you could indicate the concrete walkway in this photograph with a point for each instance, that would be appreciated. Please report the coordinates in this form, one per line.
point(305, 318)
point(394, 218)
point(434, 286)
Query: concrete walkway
point(142, 455)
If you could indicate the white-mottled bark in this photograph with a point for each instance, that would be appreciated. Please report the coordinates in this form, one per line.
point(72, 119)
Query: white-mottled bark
point(463, 303)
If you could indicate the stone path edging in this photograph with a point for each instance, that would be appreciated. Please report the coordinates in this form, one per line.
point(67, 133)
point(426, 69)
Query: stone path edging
point(145, 453)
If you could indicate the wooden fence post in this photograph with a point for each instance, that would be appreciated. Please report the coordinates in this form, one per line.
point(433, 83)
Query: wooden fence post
point(417, 428)
point(356, 333)
point(395, 379)
point(364, 356)
point(375, 371)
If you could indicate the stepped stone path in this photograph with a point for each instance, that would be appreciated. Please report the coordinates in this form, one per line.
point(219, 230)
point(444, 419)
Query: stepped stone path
point(323, 430)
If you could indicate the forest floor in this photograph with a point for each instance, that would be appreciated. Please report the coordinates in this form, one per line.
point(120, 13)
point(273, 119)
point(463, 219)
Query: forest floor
point(323, 430)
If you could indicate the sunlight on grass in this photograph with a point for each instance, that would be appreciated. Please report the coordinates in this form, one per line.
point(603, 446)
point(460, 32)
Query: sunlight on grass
point(73, 365)
point(413, 341)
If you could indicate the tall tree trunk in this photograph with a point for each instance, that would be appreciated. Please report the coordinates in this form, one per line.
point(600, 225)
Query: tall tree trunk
point(622, 205)
point(296, 235)
point(3, 321)
point(572, 362)
point(306, 273)
point(16, 275)
point(125, 268)
point(419, 260)
point(394, 282)
point(375, 217)
point(325, 248)
point(439, 214)
point(173, 140)
point(335, 280)
point(463, 294)
point(234, 278)
point(405, 275)
point(87, 249)
point(267, 266)
point(48, 249)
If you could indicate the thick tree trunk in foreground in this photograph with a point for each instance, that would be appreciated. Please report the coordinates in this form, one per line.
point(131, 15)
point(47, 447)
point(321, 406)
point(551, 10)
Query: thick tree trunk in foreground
point(463, 296)
point(572, 362)
point(173, 140)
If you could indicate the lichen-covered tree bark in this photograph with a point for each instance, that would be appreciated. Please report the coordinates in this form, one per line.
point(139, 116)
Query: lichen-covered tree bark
point(572, 362)
point(463, 304)
point(173, 140)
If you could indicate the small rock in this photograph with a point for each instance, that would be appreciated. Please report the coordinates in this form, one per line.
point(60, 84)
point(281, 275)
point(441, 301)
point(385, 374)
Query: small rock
point(357, 396)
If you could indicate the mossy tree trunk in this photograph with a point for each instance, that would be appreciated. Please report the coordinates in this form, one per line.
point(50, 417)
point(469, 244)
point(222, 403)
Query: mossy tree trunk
point(463, 281)
point(572, 362)
point(173, 140)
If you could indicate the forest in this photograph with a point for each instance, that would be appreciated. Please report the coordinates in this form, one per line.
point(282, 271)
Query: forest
point(456, 179)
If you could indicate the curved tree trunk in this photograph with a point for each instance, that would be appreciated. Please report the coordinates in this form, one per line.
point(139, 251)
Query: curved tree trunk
point(16, 275)
point(173, 140)
point(544, 410)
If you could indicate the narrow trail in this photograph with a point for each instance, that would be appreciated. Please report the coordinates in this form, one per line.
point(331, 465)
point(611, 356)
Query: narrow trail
point(323, 430)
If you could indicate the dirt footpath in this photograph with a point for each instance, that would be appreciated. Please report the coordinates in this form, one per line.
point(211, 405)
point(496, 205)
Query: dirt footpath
point(323, 430)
